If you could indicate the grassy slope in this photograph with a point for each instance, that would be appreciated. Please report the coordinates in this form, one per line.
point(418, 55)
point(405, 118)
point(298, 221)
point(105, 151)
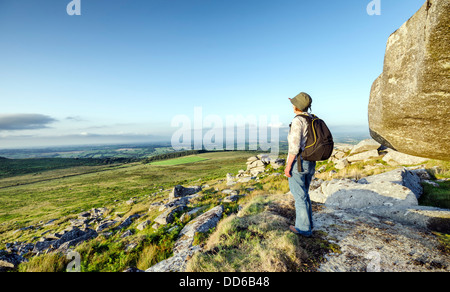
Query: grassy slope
point(257, 238)
point(56, 197)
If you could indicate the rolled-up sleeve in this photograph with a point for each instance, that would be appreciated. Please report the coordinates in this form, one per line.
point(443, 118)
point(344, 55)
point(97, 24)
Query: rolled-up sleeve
point(294, 137)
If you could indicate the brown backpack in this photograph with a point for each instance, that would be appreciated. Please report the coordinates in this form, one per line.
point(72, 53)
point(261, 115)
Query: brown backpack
point(319, 142)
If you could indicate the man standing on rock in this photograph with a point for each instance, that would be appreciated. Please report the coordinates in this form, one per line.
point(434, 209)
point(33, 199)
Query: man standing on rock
point(300, 172)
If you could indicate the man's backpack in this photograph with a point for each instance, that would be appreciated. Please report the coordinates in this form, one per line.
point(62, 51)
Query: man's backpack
point(319, 142)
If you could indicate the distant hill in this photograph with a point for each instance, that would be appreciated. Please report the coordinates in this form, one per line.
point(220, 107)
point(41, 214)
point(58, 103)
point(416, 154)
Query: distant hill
point(14, 167)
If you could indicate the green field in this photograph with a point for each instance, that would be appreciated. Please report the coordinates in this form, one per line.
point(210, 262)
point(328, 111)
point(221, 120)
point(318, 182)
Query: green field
point(179, 161)
point(15, 167)
point(28, 199)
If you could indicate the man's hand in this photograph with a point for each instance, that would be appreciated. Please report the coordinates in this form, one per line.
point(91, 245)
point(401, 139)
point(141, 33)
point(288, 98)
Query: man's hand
point(289, 162)
point(287, 171)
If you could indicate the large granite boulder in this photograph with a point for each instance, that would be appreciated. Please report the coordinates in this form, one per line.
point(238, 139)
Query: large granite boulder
point(410, 101)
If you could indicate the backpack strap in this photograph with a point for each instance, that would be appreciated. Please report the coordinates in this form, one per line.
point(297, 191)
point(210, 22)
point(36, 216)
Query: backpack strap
point(310, 119)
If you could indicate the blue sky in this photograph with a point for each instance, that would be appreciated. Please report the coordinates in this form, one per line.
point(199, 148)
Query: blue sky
point(122, 70)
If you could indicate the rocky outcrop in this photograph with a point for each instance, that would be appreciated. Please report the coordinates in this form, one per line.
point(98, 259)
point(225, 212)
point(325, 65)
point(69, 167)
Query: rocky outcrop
point(62, 241)
point(9, 260)
point(183, 247)
point(392, 195)
point(168, 215)
point(387, 189)
point(410, 101)
point(180, 191)
point(392, 240)
point(257, 164)
point(344, 155)
point(397, 158)
point(202, 224)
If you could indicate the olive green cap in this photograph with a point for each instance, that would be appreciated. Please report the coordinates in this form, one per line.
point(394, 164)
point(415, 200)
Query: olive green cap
point(302, 101)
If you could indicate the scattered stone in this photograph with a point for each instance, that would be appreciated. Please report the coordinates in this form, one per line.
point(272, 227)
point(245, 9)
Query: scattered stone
point(398, 158)
point(143, 225)
point(168, 216)
point(105, 225)
point(365, 145)
point(363, 156)
point(126, 234)
point(127, 222)
point(257, 164)
point(189, 215)
point(228, 191)
point(230, 199)
point(277, 163)
point(176, 263)
point(10, 261)
point(245, 179)
point(203, 224)
point(231, 180)
point(341, 164)
point(183, 248)
point(71, 237)
point(180, 191)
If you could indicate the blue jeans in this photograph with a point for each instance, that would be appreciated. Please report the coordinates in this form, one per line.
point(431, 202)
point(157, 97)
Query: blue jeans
point(299, 183)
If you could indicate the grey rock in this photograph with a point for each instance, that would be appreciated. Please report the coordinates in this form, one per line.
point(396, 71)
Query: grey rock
point(230, 199)
point(126, 234)
point(341, 164)
point(105, 224)
point(180, 191)
point(410, 101)
point(365, 145)
point(191, 214)
point(363, 156)
point(257, 170)
point(396, 188)
point(400, 176)
point(168, 215)
point(10, 261)
point(70, 238)
point(176, 263)
point(397, 158)
point(127, 222)
point(183, 248)
point(277, 163)
point(370, 236)
point(143, 224)
point(431, 218)
point(245, 179)
point(202, 223)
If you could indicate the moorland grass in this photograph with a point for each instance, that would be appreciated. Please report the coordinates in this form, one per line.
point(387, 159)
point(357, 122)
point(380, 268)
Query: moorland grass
point(34, 200)
point(179, 161)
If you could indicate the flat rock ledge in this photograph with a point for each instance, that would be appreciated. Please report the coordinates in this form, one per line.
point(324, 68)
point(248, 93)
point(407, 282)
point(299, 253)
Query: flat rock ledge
point(395, 240)
point(399, 187)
